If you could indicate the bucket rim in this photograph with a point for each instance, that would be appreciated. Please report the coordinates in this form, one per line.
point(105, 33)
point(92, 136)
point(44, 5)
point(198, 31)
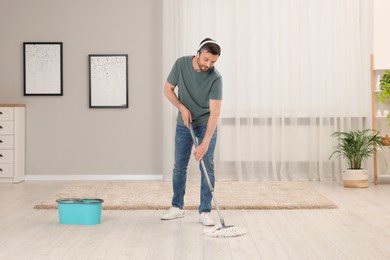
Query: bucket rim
point(79, 201)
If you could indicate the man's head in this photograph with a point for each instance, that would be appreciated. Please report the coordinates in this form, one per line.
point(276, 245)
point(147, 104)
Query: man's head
point(208, 54)
point(209, 45)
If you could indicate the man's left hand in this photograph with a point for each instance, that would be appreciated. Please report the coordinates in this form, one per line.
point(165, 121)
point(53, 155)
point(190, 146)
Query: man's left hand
point(200, 151)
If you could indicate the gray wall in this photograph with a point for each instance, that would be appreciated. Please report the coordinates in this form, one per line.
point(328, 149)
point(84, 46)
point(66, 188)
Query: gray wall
point(64, 136)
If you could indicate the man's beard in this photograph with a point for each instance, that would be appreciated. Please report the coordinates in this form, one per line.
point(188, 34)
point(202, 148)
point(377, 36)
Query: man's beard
point(202, 68)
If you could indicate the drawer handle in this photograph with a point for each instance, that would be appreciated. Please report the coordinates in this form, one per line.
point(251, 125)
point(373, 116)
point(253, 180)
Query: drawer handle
point(1, 113)
point(1, 141)
point(1, 170)
point(1, 155)
point(1, 127)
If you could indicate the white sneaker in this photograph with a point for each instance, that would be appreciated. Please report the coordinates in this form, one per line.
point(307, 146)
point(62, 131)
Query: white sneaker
point(206, 219)
point(173, 213)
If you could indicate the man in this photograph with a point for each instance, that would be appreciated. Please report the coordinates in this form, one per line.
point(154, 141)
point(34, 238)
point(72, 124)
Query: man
point(199, 103)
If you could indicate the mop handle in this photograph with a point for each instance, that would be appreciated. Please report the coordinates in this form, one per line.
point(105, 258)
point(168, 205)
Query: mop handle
point(206, 175)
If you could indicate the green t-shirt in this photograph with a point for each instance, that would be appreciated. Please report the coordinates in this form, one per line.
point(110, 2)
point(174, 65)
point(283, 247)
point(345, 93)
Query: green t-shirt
point(195, 89)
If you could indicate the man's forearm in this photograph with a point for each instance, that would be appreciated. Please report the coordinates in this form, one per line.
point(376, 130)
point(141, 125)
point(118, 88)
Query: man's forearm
point(210, 129)
point(171, 96)
point(215, 108)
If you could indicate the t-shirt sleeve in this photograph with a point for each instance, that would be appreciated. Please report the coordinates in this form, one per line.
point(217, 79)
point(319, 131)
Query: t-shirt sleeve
point(216, 89)
point(173, 77)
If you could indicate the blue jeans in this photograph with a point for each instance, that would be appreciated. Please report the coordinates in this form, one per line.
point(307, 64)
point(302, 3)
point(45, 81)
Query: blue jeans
point(183, 146)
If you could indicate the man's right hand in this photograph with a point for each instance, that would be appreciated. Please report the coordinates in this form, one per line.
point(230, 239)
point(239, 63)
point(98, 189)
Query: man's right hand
point(185, 115)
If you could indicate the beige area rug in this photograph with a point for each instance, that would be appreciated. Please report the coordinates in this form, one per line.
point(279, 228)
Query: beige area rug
point(134, 195)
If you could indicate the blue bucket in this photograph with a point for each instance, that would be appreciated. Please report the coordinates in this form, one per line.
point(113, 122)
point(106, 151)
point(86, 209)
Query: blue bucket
point(80, 211)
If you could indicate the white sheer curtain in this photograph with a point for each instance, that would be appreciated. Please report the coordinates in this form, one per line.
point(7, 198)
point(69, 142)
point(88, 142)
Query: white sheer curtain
point(294, 71)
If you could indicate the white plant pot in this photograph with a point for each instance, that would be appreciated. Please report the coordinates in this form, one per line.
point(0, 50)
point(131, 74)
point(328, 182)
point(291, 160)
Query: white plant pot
point(355, 178)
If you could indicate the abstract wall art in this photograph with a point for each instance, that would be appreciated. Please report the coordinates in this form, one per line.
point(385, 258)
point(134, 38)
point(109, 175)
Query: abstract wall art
point(108, 81)
point(42, 68)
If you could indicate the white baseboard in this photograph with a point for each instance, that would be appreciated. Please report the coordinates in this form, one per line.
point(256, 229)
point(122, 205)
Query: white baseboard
point(93, 177)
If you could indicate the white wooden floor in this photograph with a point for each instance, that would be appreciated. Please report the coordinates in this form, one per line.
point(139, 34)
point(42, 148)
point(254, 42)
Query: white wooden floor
point(359, 229)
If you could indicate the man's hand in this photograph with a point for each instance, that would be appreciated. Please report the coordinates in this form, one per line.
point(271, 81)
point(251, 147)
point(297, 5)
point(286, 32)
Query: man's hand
point(186, 116)
point(201, 150)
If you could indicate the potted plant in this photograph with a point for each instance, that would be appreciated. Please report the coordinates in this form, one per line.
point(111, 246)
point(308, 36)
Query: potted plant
point(384, 87)
point(356, 146)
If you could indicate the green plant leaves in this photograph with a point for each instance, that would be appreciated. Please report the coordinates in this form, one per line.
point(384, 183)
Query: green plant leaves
point(356, 146)
point(385, 87)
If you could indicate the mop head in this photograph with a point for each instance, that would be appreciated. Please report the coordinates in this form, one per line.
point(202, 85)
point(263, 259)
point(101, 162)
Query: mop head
point(228, 231)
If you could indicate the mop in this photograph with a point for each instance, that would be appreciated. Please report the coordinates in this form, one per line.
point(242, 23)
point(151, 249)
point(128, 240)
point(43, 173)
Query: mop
point(224, 230)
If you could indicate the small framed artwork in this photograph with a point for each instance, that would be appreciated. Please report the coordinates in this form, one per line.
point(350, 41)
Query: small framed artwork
point(108, 83)
point(42, 68)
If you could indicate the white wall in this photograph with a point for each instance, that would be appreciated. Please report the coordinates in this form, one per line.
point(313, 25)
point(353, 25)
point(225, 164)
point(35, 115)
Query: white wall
point(64, 136)
point(381, 41)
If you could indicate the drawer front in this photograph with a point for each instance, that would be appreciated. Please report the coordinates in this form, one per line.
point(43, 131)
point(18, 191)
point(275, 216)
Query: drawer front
point(6, 127)
point(6, 156)
point(6, 170)
point(6, 113)
point(6, 142)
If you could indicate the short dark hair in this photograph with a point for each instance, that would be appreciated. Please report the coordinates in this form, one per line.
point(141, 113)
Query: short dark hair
point(211, 47)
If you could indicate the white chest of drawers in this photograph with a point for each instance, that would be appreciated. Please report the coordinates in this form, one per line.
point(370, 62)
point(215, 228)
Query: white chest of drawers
point(12, 143)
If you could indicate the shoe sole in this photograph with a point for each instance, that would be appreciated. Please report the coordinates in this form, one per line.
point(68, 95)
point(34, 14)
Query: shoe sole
point(181, 216)
point(207, 225)
point(213, 224)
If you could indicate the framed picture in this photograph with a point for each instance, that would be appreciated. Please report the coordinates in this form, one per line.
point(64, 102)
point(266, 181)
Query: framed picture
point(42, 68)
point(108, 83)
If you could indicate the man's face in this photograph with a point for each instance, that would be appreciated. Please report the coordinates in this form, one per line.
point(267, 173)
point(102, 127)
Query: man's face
point(206, 60)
